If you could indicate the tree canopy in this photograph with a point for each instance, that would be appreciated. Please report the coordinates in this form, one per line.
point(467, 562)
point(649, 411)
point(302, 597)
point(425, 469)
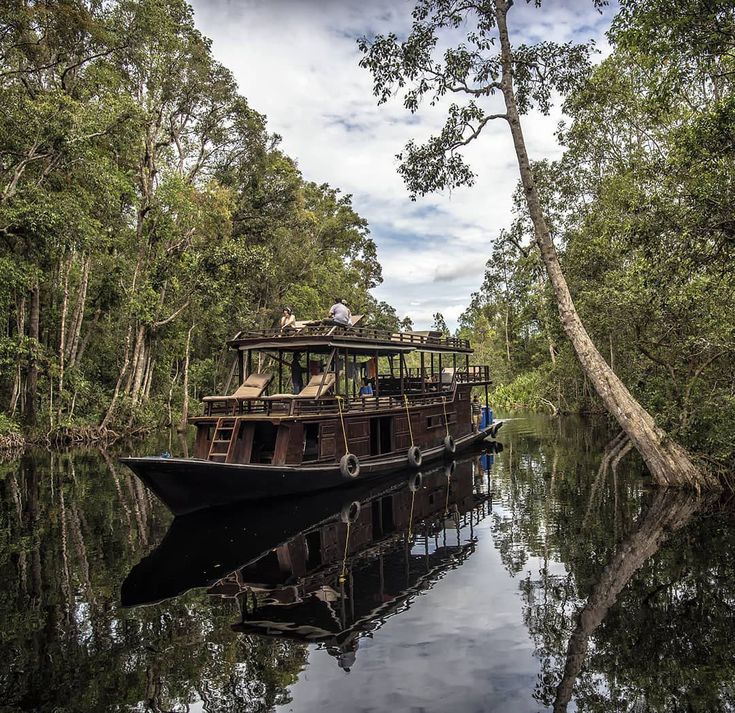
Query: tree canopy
point(146, 212)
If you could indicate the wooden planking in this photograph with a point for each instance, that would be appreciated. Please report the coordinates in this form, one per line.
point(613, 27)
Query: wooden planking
point(295, 452)
point(328, 439)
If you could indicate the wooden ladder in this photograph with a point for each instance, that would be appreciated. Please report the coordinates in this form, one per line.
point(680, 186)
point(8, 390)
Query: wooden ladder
point(224, 436)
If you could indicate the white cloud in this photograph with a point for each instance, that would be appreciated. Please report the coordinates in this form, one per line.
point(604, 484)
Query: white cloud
point(297, 63)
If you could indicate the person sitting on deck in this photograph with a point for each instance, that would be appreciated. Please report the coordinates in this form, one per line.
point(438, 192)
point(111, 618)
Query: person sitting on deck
point(288, 318)
point(339, 313)
point(476, 413)
point(366, 389)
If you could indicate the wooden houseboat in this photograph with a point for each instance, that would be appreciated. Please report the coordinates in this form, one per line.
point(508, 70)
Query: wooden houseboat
point(266, 441)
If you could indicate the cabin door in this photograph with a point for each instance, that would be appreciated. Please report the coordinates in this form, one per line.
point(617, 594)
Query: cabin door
point(381, 435)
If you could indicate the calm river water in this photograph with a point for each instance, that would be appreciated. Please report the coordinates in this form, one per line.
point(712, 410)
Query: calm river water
point(544, 577)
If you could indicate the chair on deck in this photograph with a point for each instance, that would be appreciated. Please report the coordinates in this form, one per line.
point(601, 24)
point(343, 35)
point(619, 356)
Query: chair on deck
point(252, 388)
point(313, 390)
point(354, 319)
point(447, 377)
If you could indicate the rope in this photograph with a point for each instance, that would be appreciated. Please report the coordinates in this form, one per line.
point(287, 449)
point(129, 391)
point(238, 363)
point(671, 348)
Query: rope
point(343, 575)
point(410, 517)
point(446, 502)
point(444, 406)
point(408, 418)
point(342, 420)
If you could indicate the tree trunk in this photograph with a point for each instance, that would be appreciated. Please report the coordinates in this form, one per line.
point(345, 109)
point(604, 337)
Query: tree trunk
point(78, 316)
point(139, 357)
point(121, 376)
point(62, 330)
point(185, 406)
point(20, 331)
point(33, 334)
point(667, 461)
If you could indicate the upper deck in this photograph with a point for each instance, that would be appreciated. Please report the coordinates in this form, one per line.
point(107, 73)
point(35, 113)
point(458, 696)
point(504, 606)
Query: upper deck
point(358, 340)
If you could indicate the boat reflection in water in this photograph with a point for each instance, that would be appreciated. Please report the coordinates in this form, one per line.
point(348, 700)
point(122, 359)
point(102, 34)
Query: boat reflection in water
point(324, 569)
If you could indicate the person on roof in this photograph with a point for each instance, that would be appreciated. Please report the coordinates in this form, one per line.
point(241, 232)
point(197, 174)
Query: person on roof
point(288, 318)
point(340, 312)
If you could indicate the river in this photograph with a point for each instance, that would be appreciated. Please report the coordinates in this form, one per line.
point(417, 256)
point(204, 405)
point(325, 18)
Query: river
point(547, 576)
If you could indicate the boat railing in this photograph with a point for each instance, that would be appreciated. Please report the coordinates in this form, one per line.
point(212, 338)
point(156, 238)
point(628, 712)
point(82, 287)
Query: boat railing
point(475, 373)
point(417, 392)
point(366, 333)
point(274, 406)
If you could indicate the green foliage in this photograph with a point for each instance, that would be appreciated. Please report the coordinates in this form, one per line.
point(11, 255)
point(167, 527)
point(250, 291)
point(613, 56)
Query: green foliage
point(526, 391)
point(8, 425)
point(639, 207)
point(147, 206)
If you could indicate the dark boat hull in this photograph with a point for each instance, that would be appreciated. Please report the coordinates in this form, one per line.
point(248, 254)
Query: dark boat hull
point(186, 485)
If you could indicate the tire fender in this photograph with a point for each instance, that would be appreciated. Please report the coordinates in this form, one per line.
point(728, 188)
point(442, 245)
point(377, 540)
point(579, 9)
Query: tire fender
point(350, 512)
point(414, 457)
point(349, 466)
point(449, 469)
point(415, 481)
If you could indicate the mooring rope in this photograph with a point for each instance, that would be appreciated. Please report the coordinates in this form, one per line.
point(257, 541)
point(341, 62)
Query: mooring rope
point(446, 502)
point(444, 406)
point(410, 517)
point(342, 420)
point(408, 418)
point(343, 575)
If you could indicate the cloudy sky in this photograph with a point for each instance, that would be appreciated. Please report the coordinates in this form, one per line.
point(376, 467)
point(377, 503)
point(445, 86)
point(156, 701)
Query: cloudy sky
point(296, 61)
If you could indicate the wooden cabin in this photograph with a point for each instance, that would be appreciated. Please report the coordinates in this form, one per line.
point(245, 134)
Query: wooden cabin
point(264, 422)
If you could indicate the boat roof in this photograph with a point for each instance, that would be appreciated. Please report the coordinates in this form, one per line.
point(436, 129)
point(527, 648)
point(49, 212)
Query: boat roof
point(358, 340)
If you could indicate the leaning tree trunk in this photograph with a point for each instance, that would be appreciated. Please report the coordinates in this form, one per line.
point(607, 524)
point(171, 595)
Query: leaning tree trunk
point(667, 461)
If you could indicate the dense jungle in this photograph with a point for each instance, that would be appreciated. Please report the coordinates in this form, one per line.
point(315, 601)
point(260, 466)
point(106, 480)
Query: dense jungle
point(147, 214)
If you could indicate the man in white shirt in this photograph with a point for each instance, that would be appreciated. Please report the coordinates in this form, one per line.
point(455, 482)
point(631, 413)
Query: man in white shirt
point(340, 313)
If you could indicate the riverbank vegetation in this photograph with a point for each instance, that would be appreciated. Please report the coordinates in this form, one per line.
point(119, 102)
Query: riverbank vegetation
point(640, 208)
point(146, 214)
point(612, 290)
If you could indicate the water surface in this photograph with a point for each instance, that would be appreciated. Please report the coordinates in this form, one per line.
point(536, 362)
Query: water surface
point(545, 577)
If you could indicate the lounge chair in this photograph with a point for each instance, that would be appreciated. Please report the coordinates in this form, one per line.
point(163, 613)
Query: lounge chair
point(252, 388)
point(313, 390)
point(447, 376)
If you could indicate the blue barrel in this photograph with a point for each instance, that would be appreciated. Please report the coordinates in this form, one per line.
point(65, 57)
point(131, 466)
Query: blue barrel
point(486, 417)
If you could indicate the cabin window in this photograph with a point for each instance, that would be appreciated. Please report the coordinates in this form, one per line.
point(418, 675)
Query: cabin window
point(311, 441)
point(381, 435)
point(264, 442)
point(437, 420)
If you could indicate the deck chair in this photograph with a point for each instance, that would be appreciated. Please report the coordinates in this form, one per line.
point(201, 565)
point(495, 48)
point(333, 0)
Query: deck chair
point(252, 388)
point(447, 376)
point(354, 319)
point(313, 390)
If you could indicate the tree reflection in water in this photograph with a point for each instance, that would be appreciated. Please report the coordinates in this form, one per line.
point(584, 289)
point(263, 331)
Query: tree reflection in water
point(634, 604)
point(72, 526)
point(628, 594)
